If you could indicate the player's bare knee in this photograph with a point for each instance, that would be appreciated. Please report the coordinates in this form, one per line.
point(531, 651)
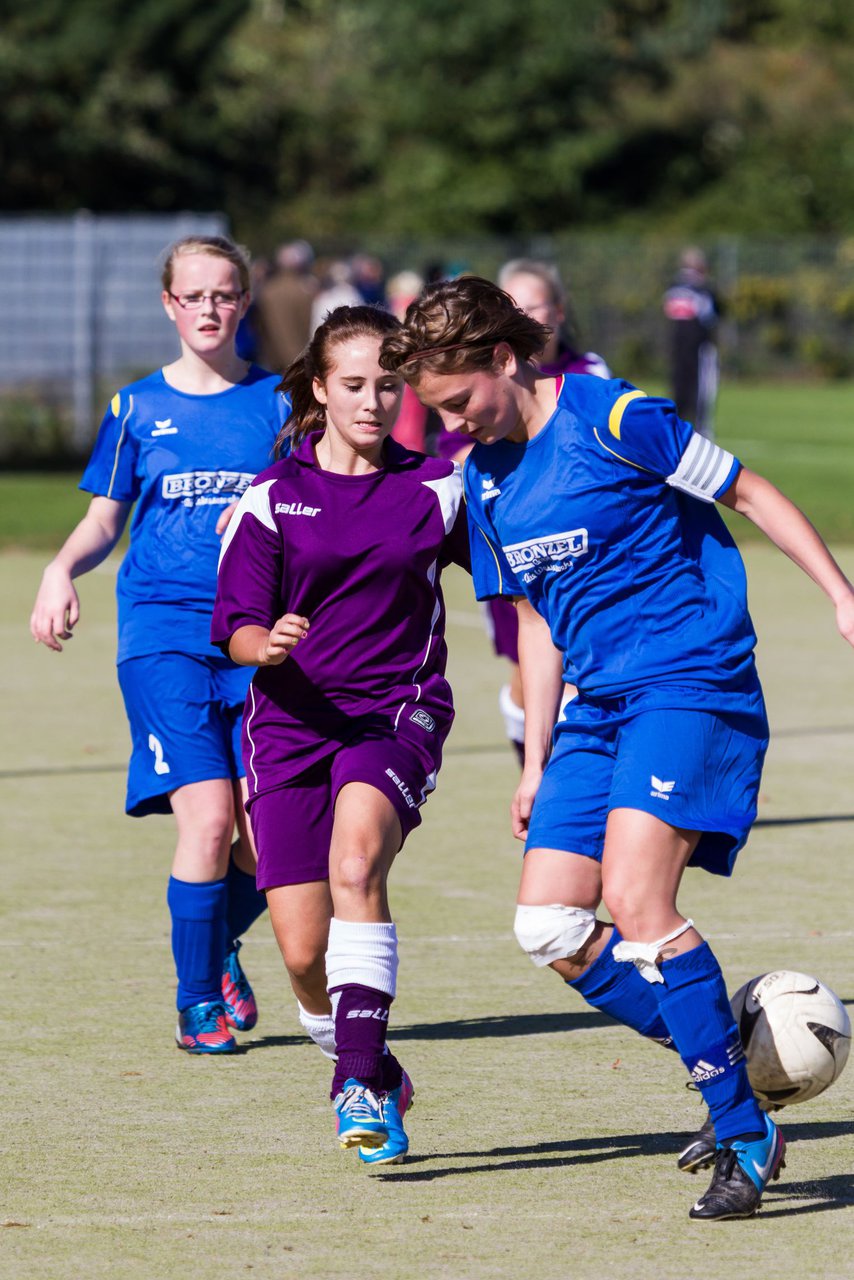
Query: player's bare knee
point(305, 962)
point(356, 874)
point(554, 932)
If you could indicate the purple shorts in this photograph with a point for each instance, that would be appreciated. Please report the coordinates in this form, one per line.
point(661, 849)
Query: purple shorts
point(292, 825)
point(502, 624)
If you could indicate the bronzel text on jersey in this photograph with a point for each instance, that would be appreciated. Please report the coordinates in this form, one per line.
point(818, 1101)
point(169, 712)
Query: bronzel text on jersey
point(547, 554)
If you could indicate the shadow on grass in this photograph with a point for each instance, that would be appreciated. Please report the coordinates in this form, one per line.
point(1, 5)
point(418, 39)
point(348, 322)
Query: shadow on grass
point(835, 1192)
point(784, 1199)
point(519, 1024)
point(803, 822)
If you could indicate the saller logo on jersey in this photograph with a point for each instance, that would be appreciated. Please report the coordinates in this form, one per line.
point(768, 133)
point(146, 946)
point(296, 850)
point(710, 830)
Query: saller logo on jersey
point(294, 509)
point(552, 553)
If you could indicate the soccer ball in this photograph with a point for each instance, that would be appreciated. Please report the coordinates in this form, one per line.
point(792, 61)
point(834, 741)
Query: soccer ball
point(796, 1035)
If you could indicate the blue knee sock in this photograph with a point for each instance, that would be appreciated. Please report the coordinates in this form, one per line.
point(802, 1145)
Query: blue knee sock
point(198, 938)
point(245, 902)
point(618, 989)
point(694, 1004)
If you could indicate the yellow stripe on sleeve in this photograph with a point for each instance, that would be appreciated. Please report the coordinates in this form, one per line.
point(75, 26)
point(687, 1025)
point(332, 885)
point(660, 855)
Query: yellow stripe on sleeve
point(116, 404)
point(618, 408)
point(495, 558)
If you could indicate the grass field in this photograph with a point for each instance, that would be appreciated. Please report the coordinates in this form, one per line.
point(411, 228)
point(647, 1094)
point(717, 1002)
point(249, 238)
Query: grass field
point(543, 1136)
point(800, 435)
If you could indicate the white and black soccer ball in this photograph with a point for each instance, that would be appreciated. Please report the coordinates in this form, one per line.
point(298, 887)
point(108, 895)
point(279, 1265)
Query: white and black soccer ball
point(796, 1035)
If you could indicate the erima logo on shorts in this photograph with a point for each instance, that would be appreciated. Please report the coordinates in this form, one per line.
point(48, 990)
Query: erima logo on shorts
point(660, 790)
point(424, 719)
point(294, 509)
point(402, 788)
point(548, 554)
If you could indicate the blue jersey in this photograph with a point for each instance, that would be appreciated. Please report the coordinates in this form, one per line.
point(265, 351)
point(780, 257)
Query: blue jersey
point(605, 520)
point(181, 458)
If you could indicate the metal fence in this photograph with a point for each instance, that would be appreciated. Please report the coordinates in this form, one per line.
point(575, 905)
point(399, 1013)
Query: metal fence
point(83, 306)
point(85, 313)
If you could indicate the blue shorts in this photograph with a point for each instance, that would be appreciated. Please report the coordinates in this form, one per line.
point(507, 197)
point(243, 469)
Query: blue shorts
point(185, 713)
point(695, 769)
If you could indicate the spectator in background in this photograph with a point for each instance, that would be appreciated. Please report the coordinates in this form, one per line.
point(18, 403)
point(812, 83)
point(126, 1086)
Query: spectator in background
point(284, 305)
point(248, 340)
point(410, 430)
point(537, 289)
point(336, 290)
point(369, 279)
point(693, 312)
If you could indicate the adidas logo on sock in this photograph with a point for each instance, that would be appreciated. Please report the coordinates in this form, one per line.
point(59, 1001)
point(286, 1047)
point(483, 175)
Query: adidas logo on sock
point(704, 1071)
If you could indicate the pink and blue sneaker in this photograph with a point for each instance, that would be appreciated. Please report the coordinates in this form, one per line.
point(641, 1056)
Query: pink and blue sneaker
point(202, 1028)
point(394, 1106)
point(241, 1011)
point(359, 1116)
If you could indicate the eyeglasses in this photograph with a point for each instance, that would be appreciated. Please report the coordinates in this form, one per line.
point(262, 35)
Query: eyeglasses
point(220, 301)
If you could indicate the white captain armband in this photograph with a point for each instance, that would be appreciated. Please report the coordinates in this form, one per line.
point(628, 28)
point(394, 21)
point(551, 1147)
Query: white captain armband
point(703, 469)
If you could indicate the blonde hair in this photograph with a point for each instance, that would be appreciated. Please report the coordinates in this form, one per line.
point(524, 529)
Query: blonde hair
point(215, 247)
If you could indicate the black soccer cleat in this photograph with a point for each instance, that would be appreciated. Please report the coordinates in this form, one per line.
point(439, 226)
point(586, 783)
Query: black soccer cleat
point(699, 1151)
point(741, 1174)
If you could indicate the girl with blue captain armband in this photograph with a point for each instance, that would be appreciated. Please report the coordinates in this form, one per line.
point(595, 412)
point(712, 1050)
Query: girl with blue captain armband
point(179, 447)
point(592, 505)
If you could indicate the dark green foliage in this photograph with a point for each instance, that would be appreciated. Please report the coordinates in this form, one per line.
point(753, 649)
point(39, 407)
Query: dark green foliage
point(336, 118)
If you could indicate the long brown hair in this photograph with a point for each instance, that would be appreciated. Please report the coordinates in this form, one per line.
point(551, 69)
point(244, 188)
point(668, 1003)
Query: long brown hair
point(316, 361)
point(456, 325)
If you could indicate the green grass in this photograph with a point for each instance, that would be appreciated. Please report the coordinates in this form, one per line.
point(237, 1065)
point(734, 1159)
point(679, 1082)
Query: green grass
point(800, 435)
point(39, 509)
point(543, 1136)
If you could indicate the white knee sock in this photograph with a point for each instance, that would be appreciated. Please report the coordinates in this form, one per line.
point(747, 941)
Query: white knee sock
point(321, 1028)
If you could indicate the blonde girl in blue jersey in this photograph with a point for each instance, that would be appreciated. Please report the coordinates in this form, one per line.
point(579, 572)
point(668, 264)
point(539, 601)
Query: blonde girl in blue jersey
point(592, 504)
point(179, 447)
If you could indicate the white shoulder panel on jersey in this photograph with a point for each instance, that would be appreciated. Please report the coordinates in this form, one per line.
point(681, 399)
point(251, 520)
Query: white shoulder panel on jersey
point(703, 468)
point(449, 491)
point(597, 366)
point(255, 501)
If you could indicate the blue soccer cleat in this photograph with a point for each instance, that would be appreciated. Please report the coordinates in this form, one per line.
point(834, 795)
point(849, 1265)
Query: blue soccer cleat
point(241, 1011)
point(359, 1117)
point(202, 1028)
point(395, 1105)
point(742, 1172)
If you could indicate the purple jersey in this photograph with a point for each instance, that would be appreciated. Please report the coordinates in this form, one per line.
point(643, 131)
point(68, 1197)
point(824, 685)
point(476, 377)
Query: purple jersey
point(360, 557)
point(569, 361)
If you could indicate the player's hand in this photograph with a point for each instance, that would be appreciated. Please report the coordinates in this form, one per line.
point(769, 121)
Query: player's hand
point(845, 618)
point(225, 518)
point(56, 610)
point(285, 635)
point(523, 801)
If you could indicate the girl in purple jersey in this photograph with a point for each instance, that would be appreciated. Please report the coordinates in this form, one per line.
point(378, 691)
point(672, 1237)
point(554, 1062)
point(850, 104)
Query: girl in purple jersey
point(329, 585)
point(179, 447)
point(592, 504)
